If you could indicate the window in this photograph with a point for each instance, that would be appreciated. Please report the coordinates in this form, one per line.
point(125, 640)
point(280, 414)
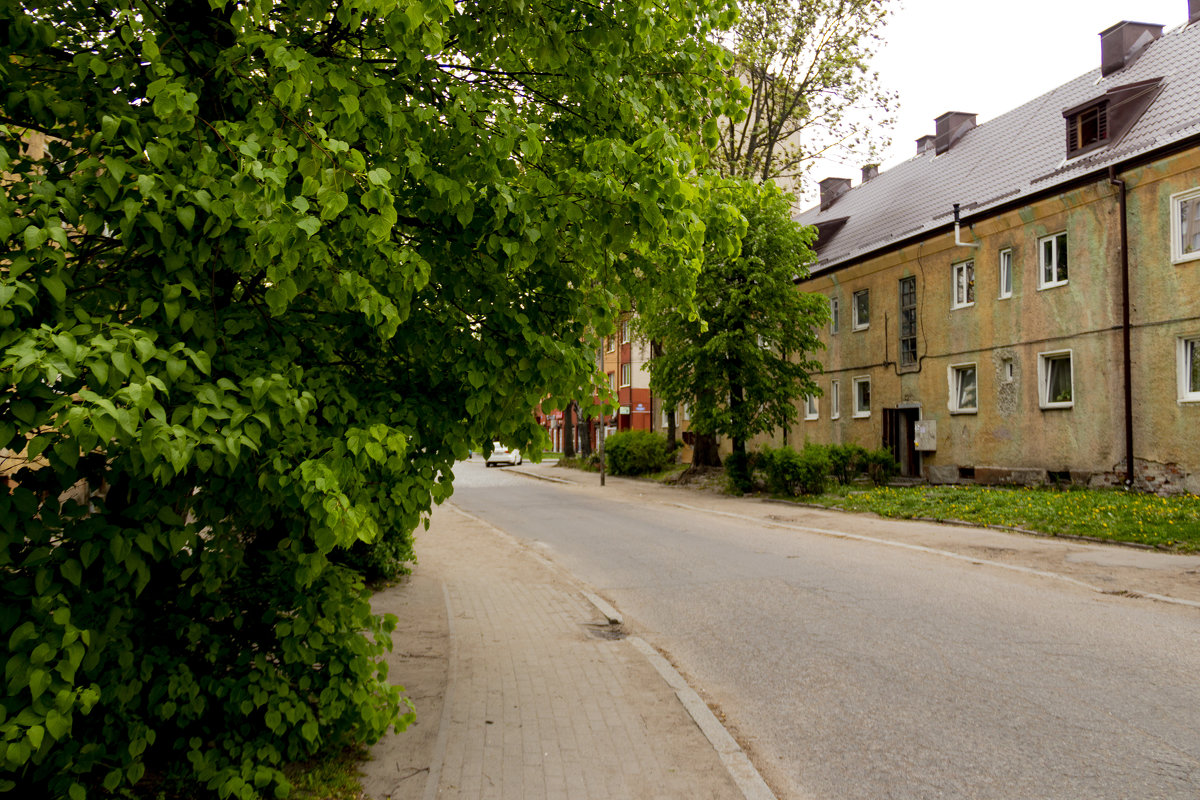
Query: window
point(1087, 129)
point(964, 284)
point(834, 315)
point(626, 371)
point(1052, 256)
point(612, 380)
point(1005, 273)
point(625, 332)
point(862, 309)
point(610, 343)
point(964, 394)
point(1006, 370)
point(908, 322)
point(810, 407)
point(1055, 380)
point(862, 397)
point(1185, 226)
point(1189, 370)
point(835, 399)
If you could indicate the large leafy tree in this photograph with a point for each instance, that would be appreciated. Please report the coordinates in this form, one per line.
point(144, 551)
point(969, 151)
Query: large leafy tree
point(806, 68)
point(267, 269)
point(745, 358)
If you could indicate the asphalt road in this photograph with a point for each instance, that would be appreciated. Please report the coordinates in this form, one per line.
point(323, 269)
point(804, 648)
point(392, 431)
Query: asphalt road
point(853, 670)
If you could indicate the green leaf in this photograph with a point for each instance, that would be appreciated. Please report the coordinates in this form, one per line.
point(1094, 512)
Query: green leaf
point(309, 224)
point(72, 571)
point(58, 725)
point(55, 286)
point(186, 216)
point(39, 682)
point(36, 734)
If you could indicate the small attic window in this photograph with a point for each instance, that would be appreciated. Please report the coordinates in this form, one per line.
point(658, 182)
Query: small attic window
point(1087, 129)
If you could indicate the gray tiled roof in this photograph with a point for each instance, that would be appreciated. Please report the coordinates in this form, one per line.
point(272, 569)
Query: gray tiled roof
point(1020, 153)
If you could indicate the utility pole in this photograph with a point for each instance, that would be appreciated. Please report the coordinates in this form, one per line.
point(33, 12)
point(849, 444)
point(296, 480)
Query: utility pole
point(602, 431)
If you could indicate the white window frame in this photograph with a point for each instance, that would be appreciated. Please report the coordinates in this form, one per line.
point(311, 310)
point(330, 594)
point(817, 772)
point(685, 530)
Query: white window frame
point(1187, 350)
point(952, 374)
point(625, 331)
point(1053, 267)
point(1177, 201)
point(626, 374)
point(835, 315)
point(811, 408)
point(835, 399)
point(1044, 360)
point(859, 411)
point(964, 279)
point(1006, 275)
point(610, 344)
point(612, 381)
point(860, 325)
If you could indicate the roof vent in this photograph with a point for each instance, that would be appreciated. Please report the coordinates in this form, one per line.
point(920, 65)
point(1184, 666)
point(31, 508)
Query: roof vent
point(1193, 11)
point(1121, 44)
point(832, 189)
point(925, 143)
point(872, 170)
point(950, 128)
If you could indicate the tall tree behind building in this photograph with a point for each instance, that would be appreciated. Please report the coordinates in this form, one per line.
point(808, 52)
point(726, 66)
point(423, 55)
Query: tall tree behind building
point(806, 67)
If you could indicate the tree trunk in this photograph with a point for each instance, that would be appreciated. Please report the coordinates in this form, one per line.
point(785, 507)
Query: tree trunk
point(569, 431)
point(671, 430)
point(704, 451)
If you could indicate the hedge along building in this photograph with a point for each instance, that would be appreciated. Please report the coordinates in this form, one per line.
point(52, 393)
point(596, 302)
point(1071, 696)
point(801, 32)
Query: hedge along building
point(1020, 301)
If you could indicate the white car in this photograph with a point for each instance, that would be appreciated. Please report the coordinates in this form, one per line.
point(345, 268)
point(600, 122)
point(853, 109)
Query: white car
point(502, 455)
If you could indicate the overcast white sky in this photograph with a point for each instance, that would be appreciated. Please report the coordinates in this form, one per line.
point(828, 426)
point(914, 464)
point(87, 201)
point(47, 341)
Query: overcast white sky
point(988, 57)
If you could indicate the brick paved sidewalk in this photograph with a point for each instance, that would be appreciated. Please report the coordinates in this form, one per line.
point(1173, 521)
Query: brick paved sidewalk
point(520, 691)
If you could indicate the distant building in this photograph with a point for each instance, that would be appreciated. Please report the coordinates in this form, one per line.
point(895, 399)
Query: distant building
point(1054, 333)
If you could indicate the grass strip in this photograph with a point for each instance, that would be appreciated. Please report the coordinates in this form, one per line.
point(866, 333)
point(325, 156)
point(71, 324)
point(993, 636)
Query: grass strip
point(1171, 523)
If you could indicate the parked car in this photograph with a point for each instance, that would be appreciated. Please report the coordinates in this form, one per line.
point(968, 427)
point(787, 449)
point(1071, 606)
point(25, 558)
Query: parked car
point(502, 455)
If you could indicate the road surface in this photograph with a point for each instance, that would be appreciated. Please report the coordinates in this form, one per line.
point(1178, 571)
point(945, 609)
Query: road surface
point(854, 670)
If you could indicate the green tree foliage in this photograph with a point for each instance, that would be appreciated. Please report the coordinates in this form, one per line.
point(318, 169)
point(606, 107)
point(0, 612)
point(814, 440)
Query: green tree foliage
point(806, 67)
point(745, 359)
point(280, 263)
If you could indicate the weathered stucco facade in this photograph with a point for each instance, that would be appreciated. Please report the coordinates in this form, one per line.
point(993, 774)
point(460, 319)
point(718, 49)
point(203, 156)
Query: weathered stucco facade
point(1008, 436)
point(997, 353)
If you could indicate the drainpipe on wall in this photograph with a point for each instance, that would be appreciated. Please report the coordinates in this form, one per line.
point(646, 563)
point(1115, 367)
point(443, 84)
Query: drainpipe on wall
point(1121, 191)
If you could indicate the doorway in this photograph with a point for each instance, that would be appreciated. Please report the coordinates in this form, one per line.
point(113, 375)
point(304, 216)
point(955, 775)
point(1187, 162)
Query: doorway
point(900, 437)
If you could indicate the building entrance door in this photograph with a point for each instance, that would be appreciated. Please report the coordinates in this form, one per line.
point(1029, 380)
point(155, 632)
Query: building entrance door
point(900, 436)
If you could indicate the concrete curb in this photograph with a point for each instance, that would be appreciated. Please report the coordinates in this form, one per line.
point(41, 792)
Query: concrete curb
point(743, 772)
point(536, 477)
point(945, 554)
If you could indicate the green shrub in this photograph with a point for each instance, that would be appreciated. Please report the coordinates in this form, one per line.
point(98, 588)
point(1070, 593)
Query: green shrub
point(636, 453)
point(880, 466)
point(739, 471)
point(846, 461)
point(790, 472)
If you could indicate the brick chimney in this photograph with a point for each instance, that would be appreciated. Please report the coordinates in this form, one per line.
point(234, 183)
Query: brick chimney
point(950, 127)
point(871, 170)
point(832, 189)
point(1121, 44)
point(925, 144)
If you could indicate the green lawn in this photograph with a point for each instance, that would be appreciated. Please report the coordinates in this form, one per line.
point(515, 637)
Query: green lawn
point(1172, 523)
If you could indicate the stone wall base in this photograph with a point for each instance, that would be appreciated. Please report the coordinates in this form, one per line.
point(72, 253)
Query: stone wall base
point(1149, 476)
